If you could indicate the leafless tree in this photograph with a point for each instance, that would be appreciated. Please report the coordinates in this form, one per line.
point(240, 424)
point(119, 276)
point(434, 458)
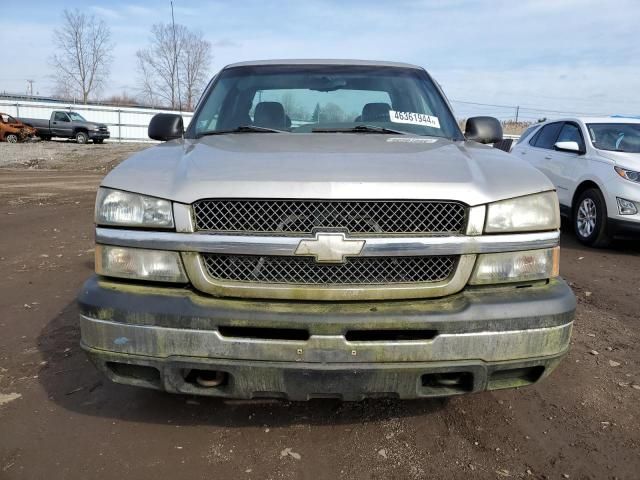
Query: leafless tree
point(83, 59)
point(293, 108)
point(332, 112)
point(174, 68)
point(194, 67)
point(123, 100)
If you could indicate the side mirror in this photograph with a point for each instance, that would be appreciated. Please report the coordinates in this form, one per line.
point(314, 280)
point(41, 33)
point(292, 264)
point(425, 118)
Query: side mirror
point(166, 126)
point(571, 147)
point(483, 130)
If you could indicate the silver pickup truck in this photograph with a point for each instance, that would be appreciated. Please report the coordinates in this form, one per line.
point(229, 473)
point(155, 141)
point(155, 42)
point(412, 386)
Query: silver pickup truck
point(325, 229)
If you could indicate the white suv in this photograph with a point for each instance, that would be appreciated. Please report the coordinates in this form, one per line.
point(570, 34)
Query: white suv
point(595, 165)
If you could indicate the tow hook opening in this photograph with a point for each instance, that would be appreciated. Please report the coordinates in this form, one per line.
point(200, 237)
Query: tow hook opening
point(448, 382)
point(129, 371)
point(264, 333)
point(514, 377)
point(390, 335)
point(206, 378)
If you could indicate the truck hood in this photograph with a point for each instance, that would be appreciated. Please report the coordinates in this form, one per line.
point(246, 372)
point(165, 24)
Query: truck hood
point(326, 166)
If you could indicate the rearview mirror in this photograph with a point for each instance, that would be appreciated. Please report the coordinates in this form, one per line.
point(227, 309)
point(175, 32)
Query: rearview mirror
point(571, 147)
point(483, 130)
point(166, 126)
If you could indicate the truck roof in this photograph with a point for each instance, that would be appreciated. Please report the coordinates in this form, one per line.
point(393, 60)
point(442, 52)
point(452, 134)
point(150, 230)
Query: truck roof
point(612, 119)
point(376, 63)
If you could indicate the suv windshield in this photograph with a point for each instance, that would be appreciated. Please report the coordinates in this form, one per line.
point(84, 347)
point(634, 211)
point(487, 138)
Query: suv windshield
point(325, 98)
point(76, 117)
point(619, 137)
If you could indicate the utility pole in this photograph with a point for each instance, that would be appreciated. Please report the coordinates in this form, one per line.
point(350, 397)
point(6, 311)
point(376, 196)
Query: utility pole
point(517, 112)
point(30, 82)
point(175, 58)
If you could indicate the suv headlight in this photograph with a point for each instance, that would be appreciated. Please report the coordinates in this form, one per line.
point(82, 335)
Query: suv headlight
point(125, 209)
point(630, 175)
point(531, 213)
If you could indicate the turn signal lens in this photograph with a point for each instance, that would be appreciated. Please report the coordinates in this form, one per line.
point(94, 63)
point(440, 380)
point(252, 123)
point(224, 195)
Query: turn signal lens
point(139, 264)
point(516, 266)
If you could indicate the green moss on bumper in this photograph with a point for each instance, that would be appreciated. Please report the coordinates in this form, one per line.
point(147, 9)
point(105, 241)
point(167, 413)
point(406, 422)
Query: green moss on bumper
point(174, 330)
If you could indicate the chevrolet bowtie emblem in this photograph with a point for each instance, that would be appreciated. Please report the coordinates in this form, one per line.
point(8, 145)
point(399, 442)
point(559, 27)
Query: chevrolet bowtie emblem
point(330, 247)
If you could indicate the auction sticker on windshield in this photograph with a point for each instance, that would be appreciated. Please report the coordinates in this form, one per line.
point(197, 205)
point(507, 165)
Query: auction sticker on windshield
point(414, 118)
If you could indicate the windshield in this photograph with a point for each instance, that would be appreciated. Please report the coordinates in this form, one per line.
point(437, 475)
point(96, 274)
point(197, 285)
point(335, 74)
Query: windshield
point(325, 98)
point(76, 117)
point(618, 137)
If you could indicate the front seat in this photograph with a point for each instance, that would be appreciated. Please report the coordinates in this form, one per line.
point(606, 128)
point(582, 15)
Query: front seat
point(375, 112)
point(270, 115)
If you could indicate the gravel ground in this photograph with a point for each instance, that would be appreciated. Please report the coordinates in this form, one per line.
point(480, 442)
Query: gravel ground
point(59, 418)
point(61, 155)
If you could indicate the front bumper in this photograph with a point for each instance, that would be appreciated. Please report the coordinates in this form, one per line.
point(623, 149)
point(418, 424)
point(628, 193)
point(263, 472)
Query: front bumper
point(620, 188)
point(623, 228)
point(98, 134)
point(476, 340)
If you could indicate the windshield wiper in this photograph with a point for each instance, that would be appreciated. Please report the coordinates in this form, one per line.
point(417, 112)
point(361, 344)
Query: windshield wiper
point(242, 129)
point(358, 129)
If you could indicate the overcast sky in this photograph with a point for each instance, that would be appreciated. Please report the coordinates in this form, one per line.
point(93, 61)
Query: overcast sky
point(567, 55)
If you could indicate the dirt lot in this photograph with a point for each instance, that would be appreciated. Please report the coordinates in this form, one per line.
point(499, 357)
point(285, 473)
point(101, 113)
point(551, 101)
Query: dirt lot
point(60, 419)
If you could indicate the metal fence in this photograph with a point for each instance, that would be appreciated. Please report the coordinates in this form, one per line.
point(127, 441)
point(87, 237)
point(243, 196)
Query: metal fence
point(126, 124)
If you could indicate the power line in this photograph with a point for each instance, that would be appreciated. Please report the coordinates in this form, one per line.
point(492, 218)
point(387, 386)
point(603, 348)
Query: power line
point(484, 104)
point(521, 110)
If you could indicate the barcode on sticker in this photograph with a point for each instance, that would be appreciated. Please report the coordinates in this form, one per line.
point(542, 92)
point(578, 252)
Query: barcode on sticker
point(414, 118)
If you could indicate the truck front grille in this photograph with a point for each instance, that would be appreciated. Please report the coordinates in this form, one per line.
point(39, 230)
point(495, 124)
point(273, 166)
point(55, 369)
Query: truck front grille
point(305, 270)
point(354, 216)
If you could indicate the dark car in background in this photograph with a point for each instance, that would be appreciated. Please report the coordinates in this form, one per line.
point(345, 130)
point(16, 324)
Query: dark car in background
point(63, 124)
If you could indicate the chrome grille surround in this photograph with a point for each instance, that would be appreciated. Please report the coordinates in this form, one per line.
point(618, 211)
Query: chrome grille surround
point(193, 246)
point(306, 271)
point(354, 216)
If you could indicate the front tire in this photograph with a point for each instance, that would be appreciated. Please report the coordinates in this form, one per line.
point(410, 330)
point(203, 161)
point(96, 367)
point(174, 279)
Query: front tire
point(98, 141)
point(590, 219)
point(82, 137)
point(11, 138)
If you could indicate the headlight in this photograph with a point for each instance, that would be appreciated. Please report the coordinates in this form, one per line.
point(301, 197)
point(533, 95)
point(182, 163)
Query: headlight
point(524, 214)
point(628, 174)
point(516, 266)
point(139, 264)
point(114, 207)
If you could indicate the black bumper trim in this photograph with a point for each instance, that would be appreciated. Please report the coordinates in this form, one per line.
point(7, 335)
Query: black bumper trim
point(470, 311)
point(302, 381)
point(623, 228)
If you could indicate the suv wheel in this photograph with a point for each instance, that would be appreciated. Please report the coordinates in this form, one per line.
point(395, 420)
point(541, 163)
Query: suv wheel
point(590, 219)
point(82, 137)
point(11, 138)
